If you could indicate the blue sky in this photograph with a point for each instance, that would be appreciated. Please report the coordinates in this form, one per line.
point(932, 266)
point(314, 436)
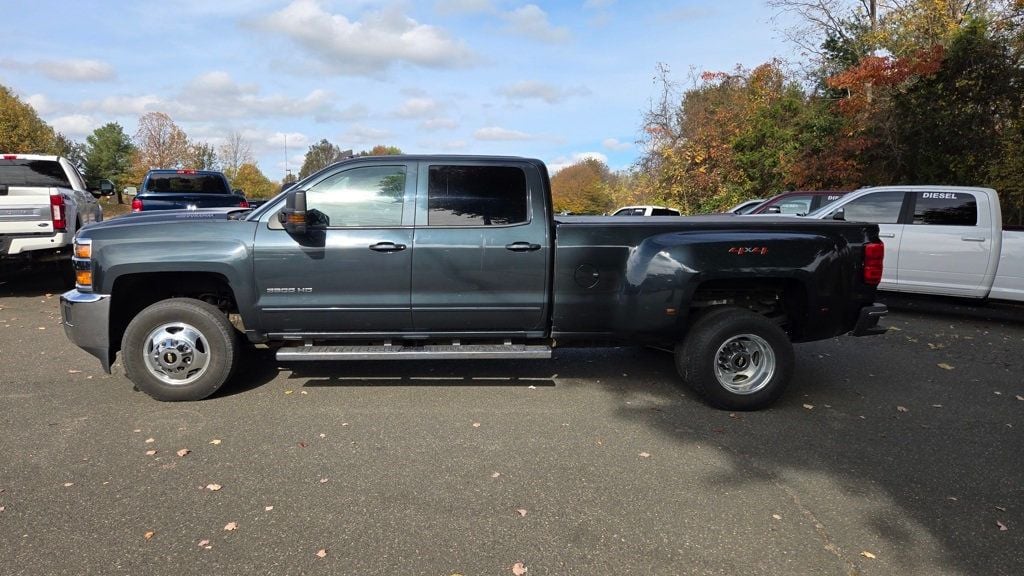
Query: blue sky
point(552, 80)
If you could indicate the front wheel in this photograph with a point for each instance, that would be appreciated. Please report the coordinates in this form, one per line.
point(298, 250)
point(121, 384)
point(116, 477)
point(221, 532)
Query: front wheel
point(735, 359)
point(180, 349)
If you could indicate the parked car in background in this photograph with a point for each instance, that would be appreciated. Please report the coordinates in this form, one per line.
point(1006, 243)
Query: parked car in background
point(944, 240)
point(44, 201)
point(798, 203)
point(746, 206)
point(186, 190)
point(646, 211)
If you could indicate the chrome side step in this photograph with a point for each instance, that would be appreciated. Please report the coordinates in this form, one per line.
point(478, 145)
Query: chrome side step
point(429, 352)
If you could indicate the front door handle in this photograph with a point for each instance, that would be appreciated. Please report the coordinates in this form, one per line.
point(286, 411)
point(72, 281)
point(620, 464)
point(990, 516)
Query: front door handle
point(972, 239)
point(887, 235)
point(387, 247)
point(522, 247)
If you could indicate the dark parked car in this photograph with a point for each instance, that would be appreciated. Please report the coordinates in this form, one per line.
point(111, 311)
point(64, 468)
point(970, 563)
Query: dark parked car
point(186, 190)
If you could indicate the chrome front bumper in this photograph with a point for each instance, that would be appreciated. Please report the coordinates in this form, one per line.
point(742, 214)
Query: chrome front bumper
point(86, 320)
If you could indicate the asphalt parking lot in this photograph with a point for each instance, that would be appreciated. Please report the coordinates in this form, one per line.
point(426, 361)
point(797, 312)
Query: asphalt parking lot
point(897, 454)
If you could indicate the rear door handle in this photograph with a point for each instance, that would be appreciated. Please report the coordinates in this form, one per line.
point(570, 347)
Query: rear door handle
point(972, 239)
point(522, 247)
point(887, 235)
point(387, 247)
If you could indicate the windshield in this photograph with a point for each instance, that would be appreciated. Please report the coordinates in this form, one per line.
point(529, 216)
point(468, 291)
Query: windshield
point(173, 183)
point(34, 173)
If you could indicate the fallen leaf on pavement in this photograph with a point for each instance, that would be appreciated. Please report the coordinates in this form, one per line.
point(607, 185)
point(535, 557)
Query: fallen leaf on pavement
point(68, 484)
point(302, 444)
point(150, 452)
point(519, 569)
point(2, 508)
point(645, 455)
point(1019, 397)
point(268, 508)
point(809, 406)
point(522, 512)
point(183, 452)
point(1002, 527)
point(74, 371)
point(149, 535)
point(215, 442)
point(867, 554)
point(203, 543)
point(321, 553)
point(476, 424)
point(323, 480)
point(304, 392)
point(323, 435)
point(496, 474)
point(945, 366)
point(288, 391)
point(213, 487)
point(231, 526)
point(1000, 508)
point(150, 440)
point(776, 516)
point(902, 409)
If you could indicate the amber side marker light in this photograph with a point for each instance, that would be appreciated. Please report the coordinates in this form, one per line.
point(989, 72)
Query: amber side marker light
point(83, 250)
point(83, 277)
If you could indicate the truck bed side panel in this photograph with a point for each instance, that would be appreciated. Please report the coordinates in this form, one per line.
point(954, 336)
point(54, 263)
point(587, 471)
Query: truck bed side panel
point(1009, 281)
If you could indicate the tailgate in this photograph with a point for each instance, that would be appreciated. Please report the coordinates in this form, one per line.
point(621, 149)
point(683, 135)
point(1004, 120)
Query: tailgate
point(24, 210)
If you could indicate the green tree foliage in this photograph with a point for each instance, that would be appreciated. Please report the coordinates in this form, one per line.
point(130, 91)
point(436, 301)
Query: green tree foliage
point(381, 150)
point(108, 154)
point(252, 182)
point(583, 188)
point(201, 156)
point(319, 156)
point(22, 131)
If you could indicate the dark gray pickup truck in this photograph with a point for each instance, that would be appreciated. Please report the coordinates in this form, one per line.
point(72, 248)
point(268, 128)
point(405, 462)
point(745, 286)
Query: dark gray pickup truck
point(447, 257)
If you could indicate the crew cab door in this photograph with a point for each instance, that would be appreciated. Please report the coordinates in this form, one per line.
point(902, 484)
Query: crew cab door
point(482, 249)
point(884, 209)
point(947, 244)
point(352, 277)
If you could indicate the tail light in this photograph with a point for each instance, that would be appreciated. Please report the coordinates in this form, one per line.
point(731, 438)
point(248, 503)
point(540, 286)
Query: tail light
point(58, 213)
point(243, 204)
point(874, 254)
point(136, 205)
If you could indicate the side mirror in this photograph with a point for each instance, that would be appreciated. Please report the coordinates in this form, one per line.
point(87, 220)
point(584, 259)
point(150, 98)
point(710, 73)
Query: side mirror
point(293, 215)
point(839, 215)
point(238, 191)
point(106, 188)
point(131, 191)
point(773, 210)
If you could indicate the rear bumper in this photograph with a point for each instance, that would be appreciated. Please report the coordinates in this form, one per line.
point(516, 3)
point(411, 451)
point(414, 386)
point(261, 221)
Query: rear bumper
point(21, 244)
point(867, 321)
point(86, 320)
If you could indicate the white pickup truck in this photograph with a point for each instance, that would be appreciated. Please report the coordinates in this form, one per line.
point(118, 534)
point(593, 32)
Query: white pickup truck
point(43, 202)
point(945, 240)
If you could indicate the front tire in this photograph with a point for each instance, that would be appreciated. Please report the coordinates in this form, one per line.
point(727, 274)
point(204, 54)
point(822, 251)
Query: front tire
point(735, 359)
point(180, 350)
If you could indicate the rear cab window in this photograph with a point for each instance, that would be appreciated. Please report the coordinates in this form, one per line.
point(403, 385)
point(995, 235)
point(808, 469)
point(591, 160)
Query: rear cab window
point(945, 209)
point(33, 173)
point(467, 196)
point(186, 182)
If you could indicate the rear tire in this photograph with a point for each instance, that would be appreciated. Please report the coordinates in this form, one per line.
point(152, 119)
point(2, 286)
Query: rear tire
point(735, 359)
point(180, 349)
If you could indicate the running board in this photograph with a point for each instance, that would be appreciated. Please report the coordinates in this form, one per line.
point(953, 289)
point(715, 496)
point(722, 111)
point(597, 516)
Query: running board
point(430, 352)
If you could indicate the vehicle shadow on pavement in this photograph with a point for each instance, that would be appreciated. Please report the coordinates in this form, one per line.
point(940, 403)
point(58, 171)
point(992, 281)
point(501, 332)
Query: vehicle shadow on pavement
point(36, 281)
point(955, 308)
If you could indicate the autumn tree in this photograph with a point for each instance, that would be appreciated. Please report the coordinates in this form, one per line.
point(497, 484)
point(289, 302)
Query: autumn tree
point(160, 143)
point(21, 129)
point(234, 152)
point(108, 154)
point(252, 182)
point(201, 156)
point(319, 156)
point(381, 150)
point(583, 188)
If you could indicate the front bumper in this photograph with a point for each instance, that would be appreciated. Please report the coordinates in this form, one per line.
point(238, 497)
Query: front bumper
point(867, 321)
point(86, 320)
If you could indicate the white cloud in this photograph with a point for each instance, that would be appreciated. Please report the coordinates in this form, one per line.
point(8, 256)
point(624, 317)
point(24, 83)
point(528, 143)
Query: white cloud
point(125, 105)
point(439, 123)
point(68, 70)
point(366, 47)
point(418, 108)
point(532, 89)
point(361, 135)
point(497, 133)
point(565, 161)
point(532, 22)
point(41, 103)
point(464, 6)
point(615, 145)
point(75, 126)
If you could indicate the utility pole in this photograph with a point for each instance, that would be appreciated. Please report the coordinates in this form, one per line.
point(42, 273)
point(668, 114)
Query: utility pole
point(286, 150)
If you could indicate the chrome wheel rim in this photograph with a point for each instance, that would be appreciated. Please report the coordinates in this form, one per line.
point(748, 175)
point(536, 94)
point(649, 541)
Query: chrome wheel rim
point(177, 353)
point(744, 364)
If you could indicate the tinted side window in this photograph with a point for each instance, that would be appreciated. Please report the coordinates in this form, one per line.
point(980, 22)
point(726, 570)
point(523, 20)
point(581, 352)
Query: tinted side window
point(795, 205)
point(878, 208)
point(664, 212)
point(945, 208)
point(41, 173)
point(476, 196)
point(372, 196)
